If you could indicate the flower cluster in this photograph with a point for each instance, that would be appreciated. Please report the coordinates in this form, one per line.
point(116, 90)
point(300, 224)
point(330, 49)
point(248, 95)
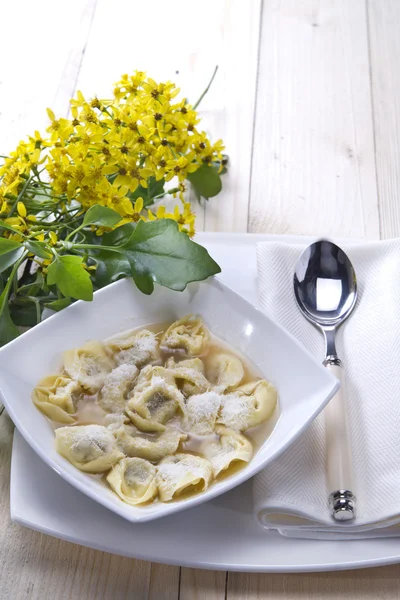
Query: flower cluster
point(76, 204)
point(111, 152)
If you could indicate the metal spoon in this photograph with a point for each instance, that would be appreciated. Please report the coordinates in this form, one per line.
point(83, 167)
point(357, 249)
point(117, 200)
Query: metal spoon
point(325, 287)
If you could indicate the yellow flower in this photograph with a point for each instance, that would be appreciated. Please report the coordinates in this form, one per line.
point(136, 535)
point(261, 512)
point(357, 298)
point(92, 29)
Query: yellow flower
point(58, 128)
point(53, 238)
point(160, 214)
point(79, 101)
point(159, 92)
point(185, 219)
point(16, 223)
point(159, 118)
point(130, 175)
point(21, 209)
point(181, 167)
point(137, 209)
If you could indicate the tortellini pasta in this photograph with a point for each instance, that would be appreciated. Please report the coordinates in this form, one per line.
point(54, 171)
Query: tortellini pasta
point(183, 474)
point(136, 348)
point(56, 397)
point(151, 448)
point(202, 411)
point(160, 415)
point(190, 381)
point(147, 425)
point(88, 365)
point(224, 370)
point(112, 396)
point(232, 447)
point(188, 335)
point(159, 401)
point(250, 405)
point(188, 363)
point(90, 448)
point(147, 374)
point(134, 480)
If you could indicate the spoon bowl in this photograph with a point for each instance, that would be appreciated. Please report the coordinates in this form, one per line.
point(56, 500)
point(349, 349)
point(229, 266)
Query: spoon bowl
point(325, 284)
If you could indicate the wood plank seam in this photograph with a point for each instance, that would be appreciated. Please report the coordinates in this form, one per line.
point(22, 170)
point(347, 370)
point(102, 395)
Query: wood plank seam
point(367, 13)
point(260, 32)
point(94, 6)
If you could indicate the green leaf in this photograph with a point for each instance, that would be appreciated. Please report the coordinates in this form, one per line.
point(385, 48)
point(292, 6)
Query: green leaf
point(8, 330)
point(102, 216)
point(24, 315)
point(110, 267)
point(158, 252)
point(206, 181)
point(10, 251)
point(37, 249)
point(119, 235)
point(59, 304)
point(154, 188)
point(68, 274)
point(36, 285)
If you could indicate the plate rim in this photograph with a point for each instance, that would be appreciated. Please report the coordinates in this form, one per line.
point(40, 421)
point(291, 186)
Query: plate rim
point(185, 563)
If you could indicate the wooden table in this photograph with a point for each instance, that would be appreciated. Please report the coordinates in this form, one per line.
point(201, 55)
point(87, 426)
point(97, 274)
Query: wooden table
point(307, 101)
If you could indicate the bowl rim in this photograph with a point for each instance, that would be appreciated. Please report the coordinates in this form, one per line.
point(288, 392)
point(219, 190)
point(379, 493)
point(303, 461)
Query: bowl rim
point(124, 510)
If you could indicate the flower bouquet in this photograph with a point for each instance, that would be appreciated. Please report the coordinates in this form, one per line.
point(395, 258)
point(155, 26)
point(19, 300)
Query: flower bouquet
point(81, 208)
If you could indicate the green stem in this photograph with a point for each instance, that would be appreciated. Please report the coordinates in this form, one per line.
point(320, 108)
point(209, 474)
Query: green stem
point(206, 90)
point(41, 183)
point(96, 247)
point(13, 273)
point(70, 235)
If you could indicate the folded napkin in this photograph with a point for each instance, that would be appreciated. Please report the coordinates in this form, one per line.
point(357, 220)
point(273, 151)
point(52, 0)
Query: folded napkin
point(291, 495)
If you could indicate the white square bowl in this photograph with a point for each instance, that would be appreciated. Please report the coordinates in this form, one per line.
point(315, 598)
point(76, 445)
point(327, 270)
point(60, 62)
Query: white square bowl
point(303, 384)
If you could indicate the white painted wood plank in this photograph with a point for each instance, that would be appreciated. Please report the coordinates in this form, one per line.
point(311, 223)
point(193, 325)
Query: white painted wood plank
point(383, 25)
point(225, 33)
point(38, 43)
point(313, 170)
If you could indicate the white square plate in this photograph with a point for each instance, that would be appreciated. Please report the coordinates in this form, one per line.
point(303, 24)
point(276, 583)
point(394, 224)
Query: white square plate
point(304, 385)
point(220, 534)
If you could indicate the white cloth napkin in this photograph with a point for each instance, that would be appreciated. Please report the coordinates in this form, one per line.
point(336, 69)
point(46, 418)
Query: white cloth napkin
point(291, 494)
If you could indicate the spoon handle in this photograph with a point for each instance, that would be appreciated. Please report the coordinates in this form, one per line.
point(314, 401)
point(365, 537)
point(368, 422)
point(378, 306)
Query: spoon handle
point(339, 463)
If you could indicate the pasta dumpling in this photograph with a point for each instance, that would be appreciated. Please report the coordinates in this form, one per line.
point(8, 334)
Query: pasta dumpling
point(224, 370)
point(187, 363)
point(182, 474)
point(154, 448)
point(136, 348)
point(190, 381)
point(188, 335)
point(117, 384)
point(231, 447)
point(146, 425)
point(202, 411)
point(88, 365)
point(56, 396)
point(90, 448)
point(159, 401)
point(250, 405)
point(134, 480)
point(146, 376)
